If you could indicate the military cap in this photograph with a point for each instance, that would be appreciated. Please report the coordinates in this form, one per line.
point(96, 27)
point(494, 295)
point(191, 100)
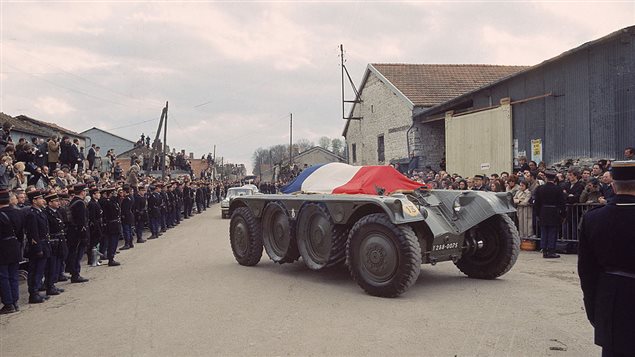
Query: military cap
point(35, 194)
point(152, 187)
point(93, 190)
point(4, 197)
point(550, 174)
point(623, 170)
point(107, 189)
point(158, 184)
point(79, 188)
point(51, 197)
point(64, 196)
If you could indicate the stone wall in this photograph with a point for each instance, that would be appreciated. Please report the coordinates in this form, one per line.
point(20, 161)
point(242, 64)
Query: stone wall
point(384, 113)
point(429, 143)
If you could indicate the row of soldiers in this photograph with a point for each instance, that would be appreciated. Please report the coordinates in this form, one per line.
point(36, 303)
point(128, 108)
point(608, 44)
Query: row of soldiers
point(60, 228)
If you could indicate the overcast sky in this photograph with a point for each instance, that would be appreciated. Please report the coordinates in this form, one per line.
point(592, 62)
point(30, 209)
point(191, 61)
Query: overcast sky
point(233, 71)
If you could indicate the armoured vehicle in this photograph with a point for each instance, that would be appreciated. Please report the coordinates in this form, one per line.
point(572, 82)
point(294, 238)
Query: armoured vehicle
point(383, 239)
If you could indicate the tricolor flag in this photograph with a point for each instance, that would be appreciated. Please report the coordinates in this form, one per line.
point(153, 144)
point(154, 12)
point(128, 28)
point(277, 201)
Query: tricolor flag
point(342, 178)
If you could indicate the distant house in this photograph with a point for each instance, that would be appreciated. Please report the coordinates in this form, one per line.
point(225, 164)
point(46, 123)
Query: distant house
point(106, 140)
point(23, 129)
point(315, 155)
point(52, 129)
point(391, 95)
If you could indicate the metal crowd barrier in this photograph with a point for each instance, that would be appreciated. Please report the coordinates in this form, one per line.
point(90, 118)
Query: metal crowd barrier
point(570, 228)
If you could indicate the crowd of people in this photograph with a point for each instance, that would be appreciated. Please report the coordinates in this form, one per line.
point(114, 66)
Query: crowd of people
point(56, 210)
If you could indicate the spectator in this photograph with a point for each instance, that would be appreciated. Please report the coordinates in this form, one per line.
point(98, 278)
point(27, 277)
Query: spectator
point(533, 166)
point(117, 172)
point(5, 137)
point(6, 172)
point(596, 171)
point(60, 178)
point(586, 175)
point(629, 153)
point(606, 188)
point(591, 193)
point(80, 163)
point(54, 153)
point(91, 157)
point(511, 185)
point(495, 186)
point(574, 187)
point(522, 164)
point(66, 152)
point(19, 179)
point(522, 198)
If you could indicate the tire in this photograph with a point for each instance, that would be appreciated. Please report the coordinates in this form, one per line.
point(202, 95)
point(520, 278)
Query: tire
point(245, 237)
point(501, 246)
point(383, 258)
point(317, 237)
point(278, 234)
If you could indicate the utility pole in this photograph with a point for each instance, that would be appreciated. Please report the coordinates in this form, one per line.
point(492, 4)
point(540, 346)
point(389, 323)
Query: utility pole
point(214, 165)
point(342, 65)
point(290, 139)
point(165, 141)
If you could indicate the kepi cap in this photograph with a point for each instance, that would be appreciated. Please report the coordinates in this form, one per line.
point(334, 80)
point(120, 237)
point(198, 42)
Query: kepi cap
point(623, 170)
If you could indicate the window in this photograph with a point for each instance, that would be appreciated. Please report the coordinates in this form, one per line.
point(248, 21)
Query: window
point(380, 148)
point(354, 152)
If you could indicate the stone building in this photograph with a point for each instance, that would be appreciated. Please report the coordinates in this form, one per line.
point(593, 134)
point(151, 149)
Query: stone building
point(390, 95)
point(106, 140)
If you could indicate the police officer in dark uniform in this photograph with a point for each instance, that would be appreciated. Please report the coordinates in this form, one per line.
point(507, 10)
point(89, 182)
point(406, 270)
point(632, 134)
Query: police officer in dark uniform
point(164, 207)
point(127, 217)
point(549, 206)
point(78, 234)
point(11, 237)
point(65, 214)
point(171, 221)
point(188, 200)
point(199, 198)
point(154, 210)
point(178, 193)
point(57, 241)
point(606, 265)
point(140, 207)
point(38, 245)
point(95, 214)
point(112, 223)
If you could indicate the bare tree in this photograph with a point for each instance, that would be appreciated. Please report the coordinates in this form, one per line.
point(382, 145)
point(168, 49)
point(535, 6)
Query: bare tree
point(303, 145)
point(336, 146)
point(324, 142)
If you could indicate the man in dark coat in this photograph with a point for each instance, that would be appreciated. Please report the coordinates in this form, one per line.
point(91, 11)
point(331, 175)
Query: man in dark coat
point(95, 214)
point(178, 192)
point(188, 200)
point(171, 220)
point(57, 241)
point(549, 206)
point(91, 157)
point(127, 217)
point(606, 265)
point(140, 207)
point(78, 233)
point(38, 246)
point(11, 237)
point(112, 223)
point(154, 210)
point(164, 208)
point(200, 198)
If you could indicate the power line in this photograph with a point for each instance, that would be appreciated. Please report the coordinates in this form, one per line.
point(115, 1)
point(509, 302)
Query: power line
point(133, 124)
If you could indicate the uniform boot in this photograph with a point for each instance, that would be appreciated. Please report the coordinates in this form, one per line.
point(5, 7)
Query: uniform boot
point(7, 309)
point(35, 299)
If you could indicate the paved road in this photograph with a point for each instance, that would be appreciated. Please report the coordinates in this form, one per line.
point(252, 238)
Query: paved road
point(184, 295)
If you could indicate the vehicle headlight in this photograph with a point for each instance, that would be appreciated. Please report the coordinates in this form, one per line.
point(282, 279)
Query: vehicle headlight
point(456, 206)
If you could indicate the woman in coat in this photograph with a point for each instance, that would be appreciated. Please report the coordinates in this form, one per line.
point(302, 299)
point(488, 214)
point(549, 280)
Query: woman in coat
point(54, 153)
point(524, 209)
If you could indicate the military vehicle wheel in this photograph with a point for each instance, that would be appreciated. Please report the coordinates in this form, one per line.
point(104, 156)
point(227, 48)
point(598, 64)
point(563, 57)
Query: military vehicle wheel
point(316, 234)
point(501, 245)
point(245, 236)
point(384, 259)
point(278, 236)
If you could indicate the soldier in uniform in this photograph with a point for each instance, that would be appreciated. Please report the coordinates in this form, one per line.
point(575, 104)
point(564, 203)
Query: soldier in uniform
point(78, 234)
point(164, 207)
point(11, 237)
point(95, 215)
point(65, 214)
point(154, 211)
point(549, 206)
point(199, 198)
point(188, 200)
point(178, 193)
point(57, 241)
point(606, 265)
point(140, 207)
point(38, 245)
point(171, 221)
point(112, 223)
point(127, 217)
